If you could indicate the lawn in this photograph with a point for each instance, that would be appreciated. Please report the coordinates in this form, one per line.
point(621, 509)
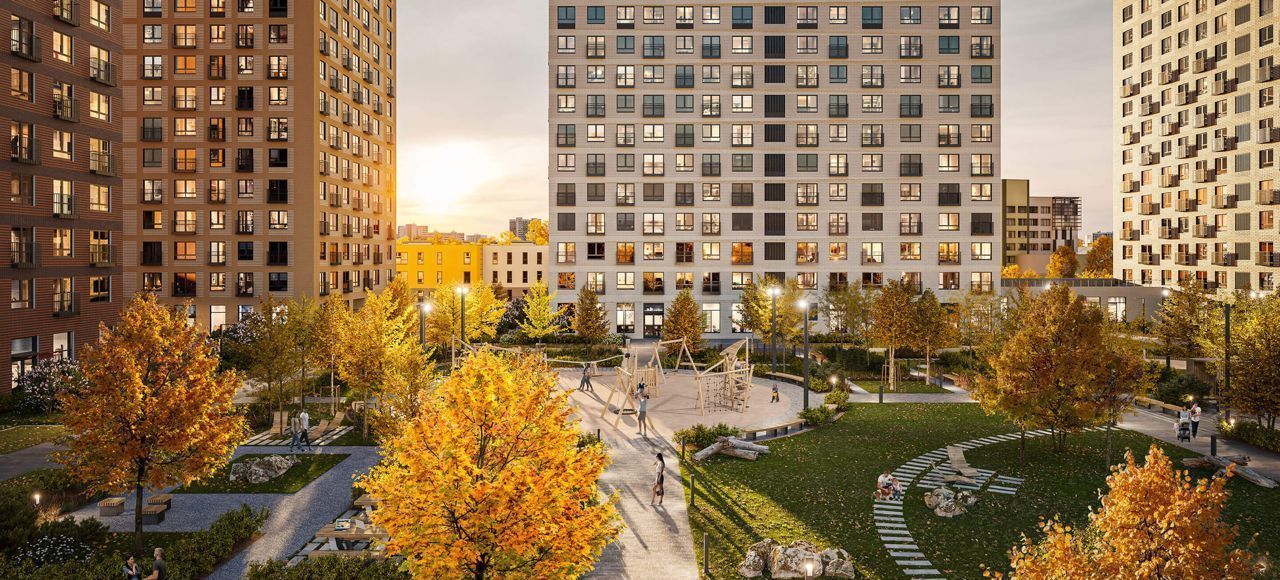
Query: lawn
point(904, 387)
point(817, 487)
point(19, 438)
point(298, 476)
point(353, 438)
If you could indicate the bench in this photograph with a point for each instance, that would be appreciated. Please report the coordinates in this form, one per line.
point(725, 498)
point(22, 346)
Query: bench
point(345, 553)
point(112, 506)
point(955, 456)
point(324, 426)
point(153, 514)
point(279, 422)
point(163, 499)
point(1158, 406)
point(786, 378)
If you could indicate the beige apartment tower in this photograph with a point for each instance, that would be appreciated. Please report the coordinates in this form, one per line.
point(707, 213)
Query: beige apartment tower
point(260, 151)
point(1195, 158)
point(704, 145)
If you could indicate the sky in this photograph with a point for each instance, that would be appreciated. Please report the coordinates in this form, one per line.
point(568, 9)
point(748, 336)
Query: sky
point(473, 108)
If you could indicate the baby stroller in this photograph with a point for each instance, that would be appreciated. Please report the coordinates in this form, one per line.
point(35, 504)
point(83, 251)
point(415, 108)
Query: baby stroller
point(1184, 431)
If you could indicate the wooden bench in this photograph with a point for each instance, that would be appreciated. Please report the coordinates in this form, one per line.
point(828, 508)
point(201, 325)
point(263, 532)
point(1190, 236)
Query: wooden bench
point(112, 506)
point(153, 514)
point(279, 422)
point(324, 426)
point(1158, 406)
point(955, 456)
point(344, 553)
point(163, 499)
point(786, 378)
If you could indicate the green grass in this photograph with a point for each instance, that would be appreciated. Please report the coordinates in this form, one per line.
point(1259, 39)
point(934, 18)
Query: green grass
point(18, 438)
point(817, 487)
point(353, 438)
point(298, 476)
point(903, 387)
point(14, 417)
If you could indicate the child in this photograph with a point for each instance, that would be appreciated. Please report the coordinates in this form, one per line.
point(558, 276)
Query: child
point(774, 399)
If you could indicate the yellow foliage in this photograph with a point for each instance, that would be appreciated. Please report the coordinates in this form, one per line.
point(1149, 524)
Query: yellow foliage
point(487, 479)
point(1155, 522)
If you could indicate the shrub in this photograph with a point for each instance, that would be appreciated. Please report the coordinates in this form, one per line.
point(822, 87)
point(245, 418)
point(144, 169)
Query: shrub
point(39, 388)
point(1174, 386)
point(815, 416)
point(17, 520)
point(819, 385)
point(839, 398)
point(701, 436)
point(1252, 433)
point(195, 556)
point(54, 549)
point(852, 361)
point(328, 568)
point(587, 440)
point(957, 361)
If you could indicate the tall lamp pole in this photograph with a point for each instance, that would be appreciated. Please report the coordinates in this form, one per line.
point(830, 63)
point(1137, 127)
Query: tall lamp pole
point(462, 332)
point(804, 305)
point(773, 337)
point(1168, 346)
point(423, 308)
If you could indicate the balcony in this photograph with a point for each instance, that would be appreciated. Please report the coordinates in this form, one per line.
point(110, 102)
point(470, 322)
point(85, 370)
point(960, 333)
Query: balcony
point(335, 83)
point(1224, 144)
point(217, 133)
point(1205, 231)
point(910, 110)
point(982, 169)
point(1168, 77)
point(1224, 258)
point(1224, 86)
point(101, 257)
point(949, 259)
point(66, 109)
point(102, 72)
point(1130, 138)
point(1129, 90)
point(1269, 197)
point(909, 169)
point(244, 41)
point(1169, 180)
point(910, 229)
point(1130, 235)
point(24, 150)
point(1187, 98)
point(982, 51)
point(1267, 73)
point(1149, 158)
point(948, 198)
point(1187, 151)
point(1188, 204)
point(1149, 108)
point(1204, 64)
point(1128, 186)
point(1225, 201)
point(1170, 233)
point(1269, 135)
point(1186, 259)
point(102, 163)
point(1206, 175)
point(65, 305)
point(982, 228)
point(1206, 120)
point(348, 62)
point(324, 47)
point(67, 11)
point(1268, 259)
point(1170, 128)
point(911, 50)
point(244, 227)
point(24, 44)
point(1149, 259)
point(24, 254)
point(982, 110)
point(324, 227)
point(948, 140)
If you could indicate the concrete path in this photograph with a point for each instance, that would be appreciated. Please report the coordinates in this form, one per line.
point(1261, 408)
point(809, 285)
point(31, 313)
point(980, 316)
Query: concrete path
point(294, 517)
point(961, 397)
point(1163, 427)
point(657, 542)
point(26, 460)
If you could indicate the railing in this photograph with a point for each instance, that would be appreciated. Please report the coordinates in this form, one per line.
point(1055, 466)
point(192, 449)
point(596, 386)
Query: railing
point(947, 81)
point(101, 256)
point(1205, 231)
point(23, 254)
point(23, 150)
point(102, 163)
point(25, 45)
point(1225, 258)
point(66, 109)
point(982, 51)
point(67, 11)
point(102, 71)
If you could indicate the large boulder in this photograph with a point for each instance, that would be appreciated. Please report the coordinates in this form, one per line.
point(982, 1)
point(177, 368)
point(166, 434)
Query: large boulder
point(833, 554)
point(840, 569)
point(260, 469)
point(757, 558)
point(789, 562)
point(949, 504)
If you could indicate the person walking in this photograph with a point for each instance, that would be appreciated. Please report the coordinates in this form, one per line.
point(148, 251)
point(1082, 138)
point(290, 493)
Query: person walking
point(585, 384)
point(642, 416)
point(774, 398)
point(304, 421)
point(658, 482)
point(294, 436)
point(1195, 420)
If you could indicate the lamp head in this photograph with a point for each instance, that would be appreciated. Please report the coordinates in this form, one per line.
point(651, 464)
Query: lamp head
point(426, 307)
point(803, 304)
point(36, 497)
point(462, 290)
point(1165, 292)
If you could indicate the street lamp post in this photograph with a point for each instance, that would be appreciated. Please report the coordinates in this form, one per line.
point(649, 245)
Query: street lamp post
point(1168, 346)
point(423, 308)
point(804, 305)
point(773, 336)
point(462, 296)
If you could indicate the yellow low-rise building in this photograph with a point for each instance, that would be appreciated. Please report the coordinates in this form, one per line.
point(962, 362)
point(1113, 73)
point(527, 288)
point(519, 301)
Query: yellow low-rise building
point(425, 265)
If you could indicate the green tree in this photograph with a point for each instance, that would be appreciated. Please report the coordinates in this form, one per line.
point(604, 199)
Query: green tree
point(848, 310)
point(977, 316)
point(1097, 263)
point(1255, 368)
point(934, 328)
point(590, 320)
point(893, 322)
point(757, 310)
point(1062, 264)
point(1183, 316)
point(541, 314)
point(683, 321)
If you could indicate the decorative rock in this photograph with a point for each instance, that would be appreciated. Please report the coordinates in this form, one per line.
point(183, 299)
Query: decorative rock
point(262, 469)
point(832, 554)
point(947, 503)
point(840, 569)
point(752, 566)
point(763, 548)
point(790, 562)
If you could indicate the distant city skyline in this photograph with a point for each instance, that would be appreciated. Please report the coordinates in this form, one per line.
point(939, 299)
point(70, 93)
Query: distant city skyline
point(471, 159)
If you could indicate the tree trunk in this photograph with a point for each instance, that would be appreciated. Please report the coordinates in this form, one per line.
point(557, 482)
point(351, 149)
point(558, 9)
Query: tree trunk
point(893, 367)
point(481, 569)
point(137, 516)
point(333, 395)
point(1109, 445)
point(928, 366)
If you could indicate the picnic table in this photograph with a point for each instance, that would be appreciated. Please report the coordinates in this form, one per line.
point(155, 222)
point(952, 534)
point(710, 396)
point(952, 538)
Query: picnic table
point(366, 501)
point(356, 533)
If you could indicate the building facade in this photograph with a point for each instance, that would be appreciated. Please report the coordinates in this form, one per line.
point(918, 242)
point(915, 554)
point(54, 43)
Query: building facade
point(1195, 158)
point(519, 227)
point(513, 268)
point(1035, 225)
point(61, 219)
point(705, 145)
point(261, 151)
point(425, 265)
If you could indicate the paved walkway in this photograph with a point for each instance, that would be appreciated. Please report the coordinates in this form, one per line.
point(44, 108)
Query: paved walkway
point(27, 460)
point(294, 517)
point(657, 542)
point(1163, 427)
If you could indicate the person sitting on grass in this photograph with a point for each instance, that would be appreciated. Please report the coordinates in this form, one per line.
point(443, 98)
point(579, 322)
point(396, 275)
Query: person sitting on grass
point(888, 487)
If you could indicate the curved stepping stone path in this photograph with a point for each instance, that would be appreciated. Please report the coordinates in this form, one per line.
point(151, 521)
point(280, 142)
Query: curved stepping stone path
point(926, 472)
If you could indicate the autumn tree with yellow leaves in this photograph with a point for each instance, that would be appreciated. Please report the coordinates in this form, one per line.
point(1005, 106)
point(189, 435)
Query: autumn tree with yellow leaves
point(154, 411)
point(487, 479)
point(894, 324)
point(1155, 522)
point(382, 355)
